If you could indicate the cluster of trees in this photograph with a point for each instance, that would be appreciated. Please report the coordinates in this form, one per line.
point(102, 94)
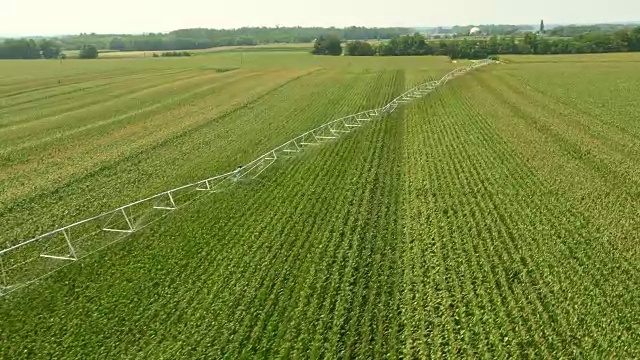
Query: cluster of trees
point(160, 42)
point(45, 48)
point(620, 41)
point(415, 44)
point(187, 39)
point(208, 38)
point(327, 45)
point(88, 52)
point(359, 48)
point(626, 40)
point(576, 30)
point(29, 49)
point(585, 39)
point(508, 30)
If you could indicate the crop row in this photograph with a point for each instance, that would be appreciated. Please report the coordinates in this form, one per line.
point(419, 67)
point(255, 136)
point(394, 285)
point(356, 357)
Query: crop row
point(264, 256)
point(74, 238)
point(56, 246)
point(503, 261)
point(450, 229)
point(333, 280)
point(137, 166)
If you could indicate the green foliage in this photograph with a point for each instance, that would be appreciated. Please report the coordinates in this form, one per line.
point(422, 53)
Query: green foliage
point(88, 52)
point(620, 41)
point(20, 49)
point(75, 42)
point(415, 44)
point(359, 48)
point(50, 49)
point(329, 45)
point(575, 30)
point(201, 38)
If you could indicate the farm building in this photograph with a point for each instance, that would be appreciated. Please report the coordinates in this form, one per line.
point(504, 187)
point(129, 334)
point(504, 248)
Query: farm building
point(475, 31)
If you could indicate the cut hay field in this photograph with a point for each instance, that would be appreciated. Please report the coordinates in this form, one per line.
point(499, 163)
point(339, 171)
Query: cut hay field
point(495, 218)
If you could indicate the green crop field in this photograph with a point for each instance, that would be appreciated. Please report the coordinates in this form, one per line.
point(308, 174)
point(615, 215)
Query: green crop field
point(495, 218)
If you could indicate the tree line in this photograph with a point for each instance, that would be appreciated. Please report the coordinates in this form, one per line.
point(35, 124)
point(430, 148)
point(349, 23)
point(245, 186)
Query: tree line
point(43, 49)
point(29, 49)
point(508, 30)
point(187, 39)
point(625, 40)
point(604, 40)
point(576, 30)
point(210, 38)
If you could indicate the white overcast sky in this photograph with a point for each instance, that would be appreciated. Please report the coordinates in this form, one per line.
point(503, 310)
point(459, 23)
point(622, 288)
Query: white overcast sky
point(55, 17)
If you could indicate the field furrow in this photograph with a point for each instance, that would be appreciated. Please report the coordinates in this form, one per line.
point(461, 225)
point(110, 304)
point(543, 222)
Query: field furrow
point(227, 132)
point(496, 217)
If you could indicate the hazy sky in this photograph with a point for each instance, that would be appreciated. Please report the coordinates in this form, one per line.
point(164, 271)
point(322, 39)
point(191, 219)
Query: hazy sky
point(53, 17)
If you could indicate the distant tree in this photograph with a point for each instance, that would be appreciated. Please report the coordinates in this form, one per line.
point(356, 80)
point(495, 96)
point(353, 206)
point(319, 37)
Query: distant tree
point(20, 49)
point(415, 44)
point(493, 45)
point(117, 44)
point(50, 49)
point(634, 39)
point(318, 46)
point(386, 49)
point(531, 40)
point(359, 48)
point(333, 45)
point(329, 45)
point(523, 48)
point(88, 52)
point(541, 26)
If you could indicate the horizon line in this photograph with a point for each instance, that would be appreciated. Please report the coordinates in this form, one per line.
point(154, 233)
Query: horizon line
point(5, 36)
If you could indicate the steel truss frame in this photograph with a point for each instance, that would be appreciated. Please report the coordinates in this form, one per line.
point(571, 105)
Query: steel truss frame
point(125, 220)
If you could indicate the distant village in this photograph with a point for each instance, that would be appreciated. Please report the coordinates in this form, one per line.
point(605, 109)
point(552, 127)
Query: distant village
point(454, 32)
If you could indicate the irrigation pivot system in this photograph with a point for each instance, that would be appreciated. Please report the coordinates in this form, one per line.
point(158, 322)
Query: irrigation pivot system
point(30, 260)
